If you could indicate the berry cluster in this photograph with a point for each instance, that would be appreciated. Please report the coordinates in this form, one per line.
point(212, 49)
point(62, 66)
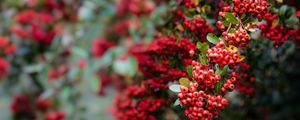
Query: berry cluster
point(57, 115)
point(4, 68)
point(135, 7)
point(59, 72)
point(105, 80)
point(223, 8)
point(221, 56)
point(256, 8)
point(154, 63)
point(164, 78)
point(199, 105)
point(189, 3)
point(221, 26)
point(278, 34)
point(239, 38)
point(229, 85)
point(34, 25)
point(204, 76)
point(44, 104)
point(100, 46)
point(179, 14)
point(199, 27)
point(274, 32)
point(244, 87)
point(168, 46)
point(297, 37)
point(129, 109)
point(24, 107)
point(298, 14)
point(20, 105)
point(122, 28)
point(135, 91)
point(7, 47)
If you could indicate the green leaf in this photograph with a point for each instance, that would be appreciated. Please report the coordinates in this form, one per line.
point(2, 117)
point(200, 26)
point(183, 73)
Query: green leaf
point(225, 23)
point(132, 65)
point(190, 71)
point(212, 38)
point(34, 68)
point(79, 52)
point(184, 82)
point(282, 10)
point(232, 30)
point(217, 69)
point(177, 102)
point(94, 83)
point(66, 92)
point(243, 16)
point(203, 59)
point(125, 67)
point(72, 73)
point(223, 71)
point(231, 18)
point(286, 12)
point(175, 88)
point(203, 47)
point(218, 87)
point(290, 11)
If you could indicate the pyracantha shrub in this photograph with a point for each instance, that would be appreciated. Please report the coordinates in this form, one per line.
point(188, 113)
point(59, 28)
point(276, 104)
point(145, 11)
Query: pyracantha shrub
point(165, 59)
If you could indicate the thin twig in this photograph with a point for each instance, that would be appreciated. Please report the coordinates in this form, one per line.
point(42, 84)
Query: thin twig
point(228, 28)
point(240, 22)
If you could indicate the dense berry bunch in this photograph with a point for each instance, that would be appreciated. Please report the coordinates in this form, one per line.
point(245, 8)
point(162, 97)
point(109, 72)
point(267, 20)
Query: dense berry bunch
point(20, 105)
point(189, 3)
point(55, 115)
point(7, 47)
point(273, 31)
point(24, 107)
point(204, 76)
point(244, 86)
point(297, 37)
point(100, 46)
point(135, 91)
point(44, 104)
point(4, 68)
point(199, 105)
point(223, 8)
point(221, 26)
point(154, 63)
point(221, 56)
point(148, 66)
point(168, 46)
point(131, 109)
point(136, 7)
point(256, 8)
point(165, 49)
point(199, 27)
point(34, 25)
point(122, 28)
point(179, 15)
point(277, 34)
point(162, 80)
point(239, 38)
point(229, 85)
